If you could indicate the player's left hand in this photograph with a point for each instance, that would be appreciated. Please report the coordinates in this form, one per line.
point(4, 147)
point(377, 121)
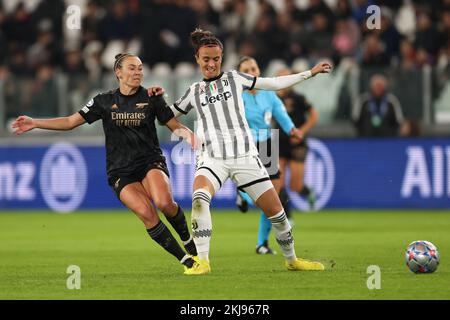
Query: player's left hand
point(155, 91)
point(321, 67)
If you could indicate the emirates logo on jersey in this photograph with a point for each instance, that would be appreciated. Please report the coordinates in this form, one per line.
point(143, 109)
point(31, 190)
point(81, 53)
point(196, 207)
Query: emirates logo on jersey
point(127, 119)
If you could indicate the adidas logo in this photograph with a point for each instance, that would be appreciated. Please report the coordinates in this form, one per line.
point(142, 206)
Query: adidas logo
point(116, 185)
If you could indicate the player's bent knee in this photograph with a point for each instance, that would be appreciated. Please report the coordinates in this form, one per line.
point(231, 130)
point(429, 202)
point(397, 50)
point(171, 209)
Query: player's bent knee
point(269, 203)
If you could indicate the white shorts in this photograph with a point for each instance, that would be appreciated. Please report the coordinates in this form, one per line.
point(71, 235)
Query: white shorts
point(247, 172)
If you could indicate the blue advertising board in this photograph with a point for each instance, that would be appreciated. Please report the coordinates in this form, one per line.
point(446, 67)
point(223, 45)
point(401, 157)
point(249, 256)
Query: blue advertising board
point(356, 173)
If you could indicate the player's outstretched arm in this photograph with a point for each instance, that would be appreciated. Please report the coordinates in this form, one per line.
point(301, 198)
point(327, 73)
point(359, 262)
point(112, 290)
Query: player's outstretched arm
point(283, 82)
point(183, 132)
point(24, 123)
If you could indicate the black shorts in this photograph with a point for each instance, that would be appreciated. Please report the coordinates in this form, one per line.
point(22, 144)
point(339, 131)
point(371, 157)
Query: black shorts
point(118, 181)
point(295, 152)
point(265, 155)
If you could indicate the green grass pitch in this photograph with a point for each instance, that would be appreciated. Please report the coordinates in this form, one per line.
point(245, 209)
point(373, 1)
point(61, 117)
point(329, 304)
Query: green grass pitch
point(118, 260)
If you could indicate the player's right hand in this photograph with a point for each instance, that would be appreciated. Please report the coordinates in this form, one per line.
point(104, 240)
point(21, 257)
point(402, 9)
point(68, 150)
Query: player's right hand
point(155, 91)
point(23, 124)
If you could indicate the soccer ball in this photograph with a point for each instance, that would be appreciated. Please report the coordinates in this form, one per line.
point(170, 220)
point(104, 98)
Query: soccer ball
point(422, 257)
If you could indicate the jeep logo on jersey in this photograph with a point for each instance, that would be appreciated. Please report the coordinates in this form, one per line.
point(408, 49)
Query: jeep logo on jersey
point(319, 175)
point(215, 98)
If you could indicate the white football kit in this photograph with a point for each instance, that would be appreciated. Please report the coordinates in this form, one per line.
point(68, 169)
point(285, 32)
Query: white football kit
point(228, 149)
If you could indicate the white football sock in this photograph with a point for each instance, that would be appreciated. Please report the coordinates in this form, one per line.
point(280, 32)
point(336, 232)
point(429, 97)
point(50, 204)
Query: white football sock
point(201, 222)
point(283, 234)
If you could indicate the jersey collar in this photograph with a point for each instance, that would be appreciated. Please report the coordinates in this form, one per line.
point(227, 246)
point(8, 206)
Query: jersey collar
point(131, 95)
point(214, 79)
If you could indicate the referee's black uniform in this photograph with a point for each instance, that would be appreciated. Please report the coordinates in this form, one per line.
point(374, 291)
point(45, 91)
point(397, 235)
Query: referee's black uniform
point(297, 108)
point(132, 146)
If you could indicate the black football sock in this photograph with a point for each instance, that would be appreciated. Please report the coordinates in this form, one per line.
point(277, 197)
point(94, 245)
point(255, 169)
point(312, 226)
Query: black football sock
point(187, 261)
point(305, 191)
point(165, 239)
point(178, 222)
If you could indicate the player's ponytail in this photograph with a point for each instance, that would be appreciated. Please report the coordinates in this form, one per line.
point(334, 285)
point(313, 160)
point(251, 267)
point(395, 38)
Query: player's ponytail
point(201, 38)
point(119, 59)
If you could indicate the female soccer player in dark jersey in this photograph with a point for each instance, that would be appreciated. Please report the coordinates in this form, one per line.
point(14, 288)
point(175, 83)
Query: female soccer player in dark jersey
point(228, 149)
point(136, 168)
point(293, 153)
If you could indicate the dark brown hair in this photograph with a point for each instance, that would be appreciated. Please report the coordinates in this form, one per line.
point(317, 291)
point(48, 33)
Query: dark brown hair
point(119, 59)
point(242, 60)
point(201, 38)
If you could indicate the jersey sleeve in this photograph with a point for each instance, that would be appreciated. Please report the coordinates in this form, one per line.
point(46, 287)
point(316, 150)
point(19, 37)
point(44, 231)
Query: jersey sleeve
point(282, 82)
point(280, 114)
point(247, 81)
point(92, 111)
point(183, 105)
point(162, 110)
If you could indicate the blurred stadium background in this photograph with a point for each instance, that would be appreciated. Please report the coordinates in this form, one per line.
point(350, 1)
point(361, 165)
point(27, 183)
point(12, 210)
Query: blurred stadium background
point(56, 55)
point(51, 65)
point(48, 69)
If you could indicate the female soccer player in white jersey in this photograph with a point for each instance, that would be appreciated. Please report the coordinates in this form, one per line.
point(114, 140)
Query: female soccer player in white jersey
point(228, 149)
